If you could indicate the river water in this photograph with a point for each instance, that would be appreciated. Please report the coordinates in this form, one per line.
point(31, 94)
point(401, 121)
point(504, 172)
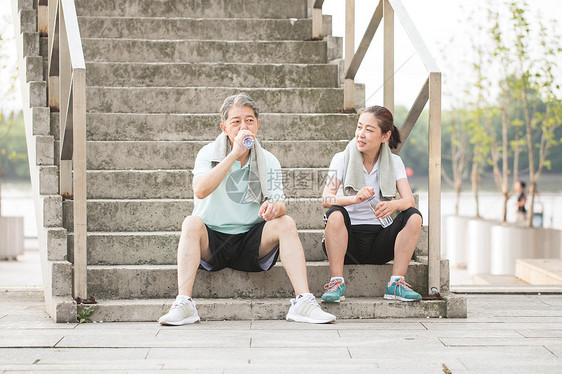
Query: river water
point(17, 200)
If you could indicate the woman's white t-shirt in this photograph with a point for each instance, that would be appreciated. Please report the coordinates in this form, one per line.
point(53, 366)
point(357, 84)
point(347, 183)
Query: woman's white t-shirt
point(361, 214)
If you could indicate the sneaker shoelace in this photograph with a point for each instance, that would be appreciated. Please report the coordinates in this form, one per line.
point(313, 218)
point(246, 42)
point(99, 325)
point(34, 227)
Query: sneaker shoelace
point(333, 286)
point(402, 283)
point(178, 303)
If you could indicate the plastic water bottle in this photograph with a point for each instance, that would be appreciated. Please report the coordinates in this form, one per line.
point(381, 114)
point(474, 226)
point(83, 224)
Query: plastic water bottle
point(373, 202)
point(248, 142)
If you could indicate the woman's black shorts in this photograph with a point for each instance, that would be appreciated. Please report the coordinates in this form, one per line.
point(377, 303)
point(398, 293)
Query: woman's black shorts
point(370, 244)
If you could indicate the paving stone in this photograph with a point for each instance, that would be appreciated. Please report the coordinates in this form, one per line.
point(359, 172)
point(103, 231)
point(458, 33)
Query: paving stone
point(298, 355)
point(485, 340)
point(453, 325)
point(164, 338)
point(30, 338)
point(517, 358)
point(176, 357)
point(349, 324)
point(296, 338)
point(551, 332)
point(71, 356)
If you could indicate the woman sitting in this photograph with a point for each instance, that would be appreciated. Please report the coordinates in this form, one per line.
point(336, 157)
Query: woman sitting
point(360, 190)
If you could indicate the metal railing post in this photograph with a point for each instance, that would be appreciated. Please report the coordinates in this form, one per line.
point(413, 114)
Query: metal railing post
point(434, 187)
point(388, 90)
point(79, 183)
point(348, 86)
point(67, 93)
point(317, 19)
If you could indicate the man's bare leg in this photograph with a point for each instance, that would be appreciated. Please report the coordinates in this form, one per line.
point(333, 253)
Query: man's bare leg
point(193, 245)
point(283, 231)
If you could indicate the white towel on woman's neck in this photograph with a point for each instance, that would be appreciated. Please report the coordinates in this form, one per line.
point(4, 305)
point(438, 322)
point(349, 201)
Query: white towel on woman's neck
point(354, 178)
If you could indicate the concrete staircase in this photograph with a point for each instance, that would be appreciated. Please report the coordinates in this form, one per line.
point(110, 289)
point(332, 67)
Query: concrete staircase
point(157, 72)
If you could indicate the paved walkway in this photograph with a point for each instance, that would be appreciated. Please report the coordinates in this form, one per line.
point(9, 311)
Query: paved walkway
point(518, 334)
point(512, 333)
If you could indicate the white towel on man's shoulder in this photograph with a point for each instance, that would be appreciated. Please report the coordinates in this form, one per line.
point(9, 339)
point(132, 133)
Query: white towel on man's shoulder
point(258, 190)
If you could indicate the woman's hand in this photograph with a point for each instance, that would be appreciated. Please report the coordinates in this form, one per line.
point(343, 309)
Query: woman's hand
point(384, 209)
point(364, 194)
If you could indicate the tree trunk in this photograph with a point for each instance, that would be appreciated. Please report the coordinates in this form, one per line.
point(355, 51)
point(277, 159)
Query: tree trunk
point(516, 157)
point(505, 196)
point(529, 136)
point(474, 179)
point(531, 205)
point(458, 186)
point(505, 167)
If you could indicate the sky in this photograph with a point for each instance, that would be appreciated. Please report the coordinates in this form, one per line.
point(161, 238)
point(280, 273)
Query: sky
point(446, 32)
point(441, 23)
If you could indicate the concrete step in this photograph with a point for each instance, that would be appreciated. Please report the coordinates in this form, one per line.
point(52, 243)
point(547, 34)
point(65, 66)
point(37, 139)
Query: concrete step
point(208, 99)
point(539, 270)
point(160, 281)
point(161, 28)
point(168, 214)
point(178, 127)
point(176, 184)
point(211, 75)
point(160, 248)
point(181, 155)
point(194, 8)
point(135, 50)
point(149, 310)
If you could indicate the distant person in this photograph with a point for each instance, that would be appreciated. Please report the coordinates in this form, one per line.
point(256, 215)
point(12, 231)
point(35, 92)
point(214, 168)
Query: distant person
point(360, 192)
point(239, 220)
point(521, 212)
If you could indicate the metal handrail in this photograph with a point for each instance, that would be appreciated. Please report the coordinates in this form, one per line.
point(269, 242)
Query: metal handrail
point(414, 36)
point(430, 92)
point(67, 94)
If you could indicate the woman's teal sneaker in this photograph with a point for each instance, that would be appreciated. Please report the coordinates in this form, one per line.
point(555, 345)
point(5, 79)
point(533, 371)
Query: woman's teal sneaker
point(335, 292)
point(400, 290)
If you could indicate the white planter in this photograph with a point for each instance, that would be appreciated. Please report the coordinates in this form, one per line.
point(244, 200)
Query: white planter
point(456, 239)
point(11, 237)
point(479, 246)
point(509, 242)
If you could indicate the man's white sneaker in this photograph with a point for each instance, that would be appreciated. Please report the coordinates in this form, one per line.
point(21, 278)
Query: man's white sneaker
point(182, 312)
point(305, 308)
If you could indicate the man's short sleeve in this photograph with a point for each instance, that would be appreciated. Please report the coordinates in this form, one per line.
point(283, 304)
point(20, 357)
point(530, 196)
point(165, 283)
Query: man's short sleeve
point(203, 160)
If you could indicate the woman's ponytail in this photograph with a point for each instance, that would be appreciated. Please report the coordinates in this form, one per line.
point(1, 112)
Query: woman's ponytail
point(394, 138)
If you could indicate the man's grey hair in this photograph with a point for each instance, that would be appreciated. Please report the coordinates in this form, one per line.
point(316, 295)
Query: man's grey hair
point(238, 100)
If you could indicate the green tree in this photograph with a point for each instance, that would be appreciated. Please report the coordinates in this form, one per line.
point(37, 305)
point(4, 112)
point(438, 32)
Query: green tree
point(535, 86)
point(500, 148)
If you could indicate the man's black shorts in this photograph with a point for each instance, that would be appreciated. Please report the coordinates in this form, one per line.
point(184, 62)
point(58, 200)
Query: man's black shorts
point(239, 251)
point(370, 244)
